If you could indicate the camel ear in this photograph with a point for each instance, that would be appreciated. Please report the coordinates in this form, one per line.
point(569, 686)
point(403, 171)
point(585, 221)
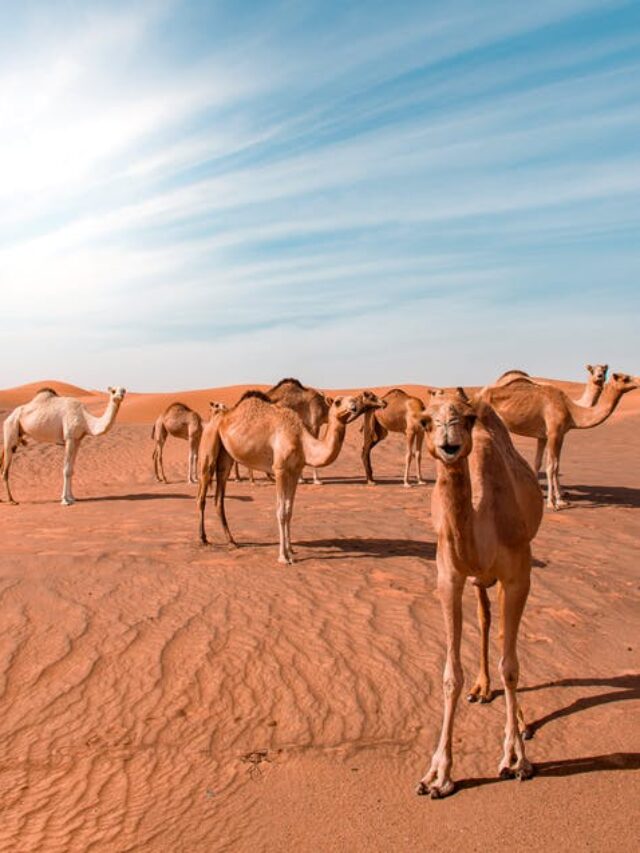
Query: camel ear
point(462, 393)
point(426, 422)
point(617, 376)
point(337, 401)
point(606, 368)
point(110, 389)
point(589, 367)
point(470, 420)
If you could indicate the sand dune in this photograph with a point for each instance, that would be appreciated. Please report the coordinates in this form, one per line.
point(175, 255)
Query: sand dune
point(157, 695)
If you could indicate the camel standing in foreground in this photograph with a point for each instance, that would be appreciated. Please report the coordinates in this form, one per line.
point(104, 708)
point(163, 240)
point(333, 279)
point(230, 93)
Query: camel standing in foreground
point(401, 414)
point(269, 437)
point(56, 420)
point(180, 421)
point(486, 508)
point(542, 411)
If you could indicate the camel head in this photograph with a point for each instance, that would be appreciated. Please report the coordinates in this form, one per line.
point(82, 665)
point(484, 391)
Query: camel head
point(372, 401)
point(216, 408)
point(117, 393)
point(347, 408)
point(598, 373)
point(448, 422)
point(623, 382)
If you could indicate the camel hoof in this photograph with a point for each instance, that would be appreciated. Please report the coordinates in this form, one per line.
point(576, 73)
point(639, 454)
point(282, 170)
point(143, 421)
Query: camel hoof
point(505, 773)
point(435, 792)
point(67, 503)
point(525, 772)
point(371, 483)
point(408, 485)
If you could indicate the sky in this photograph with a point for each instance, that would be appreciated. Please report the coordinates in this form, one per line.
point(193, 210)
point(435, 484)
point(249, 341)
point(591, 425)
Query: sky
point(196, 194)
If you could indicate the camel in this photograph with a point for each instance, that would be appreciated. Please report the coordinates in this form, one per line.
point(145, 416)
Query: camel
point(486, 508)
point(311, 405)
point(401, 414)
point(180, 421)
point(270, 437)
point(56, 420)
point(592, 389)
point(544, 412)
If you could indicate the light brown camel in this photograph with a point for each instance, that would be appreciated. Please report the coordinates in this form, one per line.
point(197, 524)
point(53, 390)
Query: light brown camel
point(544, 412)
point(56, 420)
point(401, 414)
point(310, 404)
point(486, 508)
point(269, 437)
point(183, 422)
point(592, 389)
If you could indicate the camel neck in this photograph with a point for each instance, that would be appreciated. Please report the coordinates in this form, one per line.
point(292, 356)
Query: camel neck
point(100, 425)
point(590, 395)
point(454, 490)
point(321, 452)
point(586, 418)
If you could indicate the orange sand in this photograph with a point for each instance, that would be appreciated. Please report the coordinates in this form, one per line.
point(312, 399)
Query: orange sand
point(157, 695)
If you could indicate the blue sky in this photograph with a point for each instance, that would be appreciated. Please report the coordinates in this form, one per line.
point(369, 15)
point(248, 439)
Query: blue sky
point(203, 193)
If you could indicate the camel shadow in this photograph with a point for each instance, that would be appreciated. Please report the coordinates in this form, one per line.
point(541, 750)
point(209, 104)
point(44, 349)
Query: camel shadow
point(567, 767)
point(599, 496)
point(378, 548)
point(155, 496)
point(628, 687)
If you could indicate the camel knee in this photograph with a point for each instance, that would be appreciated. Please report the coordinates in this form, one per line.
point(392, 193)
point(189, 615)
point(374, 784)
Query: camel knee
point(452, 681)
point(510, 673)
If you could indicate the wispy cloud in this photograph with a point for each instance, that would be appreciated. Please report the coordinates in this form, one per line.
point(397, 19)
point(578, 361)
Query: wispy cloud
point(315, 178)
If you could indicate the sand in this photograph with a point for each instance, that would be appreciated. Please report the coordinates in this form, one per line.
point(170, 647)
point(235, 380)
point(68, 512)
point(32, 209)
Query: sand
point(158, 695)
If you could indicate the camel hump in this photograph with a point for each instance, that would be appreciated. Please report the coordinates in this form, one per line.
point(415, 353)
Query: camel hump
point(289, 380)
point(257, 395)
point(508, 374)
point(46, 392)
point(395, 392)
point(178, 407)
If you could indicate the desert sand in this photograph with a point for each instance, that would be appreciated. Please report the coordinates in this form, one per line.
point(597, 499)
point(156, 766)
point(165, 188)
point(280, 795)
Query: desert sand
point(160, 695)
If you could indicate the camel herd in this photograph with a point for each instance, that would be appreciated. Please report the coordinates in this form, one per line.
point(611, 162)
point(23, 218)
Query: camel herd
point(486, 504)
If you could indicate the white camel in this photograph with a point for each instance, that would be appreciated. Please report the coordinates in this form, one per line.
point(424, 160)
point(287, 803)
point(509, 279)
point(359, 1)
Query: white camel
point(55, 420)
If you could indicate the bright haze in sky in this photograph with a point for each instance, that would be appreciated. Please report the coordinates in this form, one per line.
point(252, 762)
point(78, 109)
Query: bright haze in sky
point(354, 193)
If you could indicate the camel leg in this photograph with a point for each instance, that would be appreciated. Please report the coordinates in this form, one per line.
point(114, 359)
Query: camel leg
point(419, 439)
point(70, 452)
point(224, 465)
point(407, 458)
point(437, 782)
point(157, 456)
point(8, 453)
point(285, 492)
point(194, 442)
point(374, 433)
point(288, 508)
point(542, 443)
point(316, 479)
point(481, 690)
point(554, 495)
point(206, 475)
point(514, 761)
